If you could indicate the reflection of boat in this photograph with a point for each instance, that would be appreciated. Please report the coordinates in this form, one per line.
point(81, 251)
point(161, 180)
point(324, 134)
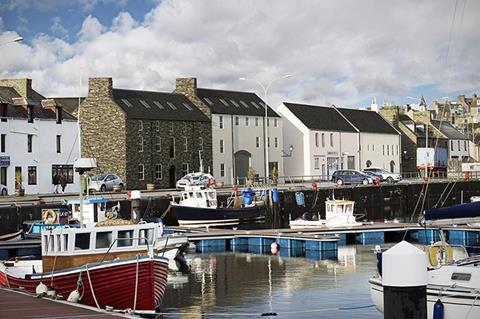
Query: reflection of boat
point(198, 207)
point(455, 283)
point(338, 213)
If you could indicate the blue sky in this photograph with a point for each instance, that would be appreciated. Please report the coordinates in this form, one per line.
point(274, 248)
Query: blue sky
point(339, 52)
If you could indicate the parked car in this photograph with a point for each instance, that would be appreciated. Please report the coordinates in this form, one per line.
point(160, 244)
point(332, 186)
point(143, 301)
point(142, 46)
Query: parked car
point(3, 190)
point(195, 179)
point(350, 176)
point(105, 182)
point(386, 175)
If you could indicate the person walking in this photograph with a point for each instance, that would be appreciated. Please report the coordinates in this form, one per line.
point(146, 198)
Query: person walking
point(63, 182)
point(56, 183)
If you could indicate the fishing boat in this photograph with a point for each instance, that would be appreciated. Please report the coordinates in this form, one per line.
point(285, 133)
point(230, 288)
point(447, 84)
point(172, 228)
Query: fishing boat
point(338, 213)
point(197, 206)
point(453, 283)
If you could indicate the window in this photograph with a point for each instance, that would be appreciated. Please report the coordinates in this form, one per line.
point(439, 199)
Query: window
point(82, 241)
point(188, 107)
point(323, 139)
point(317, 163)
point(221, 146)
point(144, 103)
point(373, 147)
point(3, 112)
point(234, 103)
point(388, 147)
point(368, 147)
point(140, 125)
point(397, 149)
point(275, 122)
point(158, 143)
point(59, 143)
point(246, 121)
point(383, 150)
point(256, 121)
point(220, 121)
point(140, 144)
point(316, 140)
point(200, 143)
point(32, 175)
point(3, 138)
point(351, 162)
point(160, 106)
point(458, 142)
point(185, 144)
point(465, 145)
point(331, 139)
point(268, 142)
point(58, 115)
point(125, 238)
point(173, 107)
point(66, 170)
point(268, 122)
point(145, 236)
point(141, 172)
point(209, 102)
point(103, 240)
point(185, 168)
point(158, 126)
point(172, 148)
point(257, 142)
point(172, 127)
point(276, 142)
point(224, 102)
point(237, 120)
point(29, 143)
point(222, 170)
point(30, 113)
point(127, 103)
point(246, 105)
point(158, 171)
point(255, 104)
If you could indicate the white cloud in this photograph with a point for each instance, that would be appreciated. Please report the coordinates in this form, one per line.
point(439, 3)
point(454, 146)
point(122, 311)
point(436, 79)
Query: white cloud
point(58, 29)
point(339, 52)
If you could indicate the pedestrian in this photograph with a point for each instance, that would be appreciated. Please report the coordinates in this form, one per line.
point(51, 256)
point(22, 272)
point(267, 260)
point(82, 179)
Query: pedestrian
point(63, 182)
point(56, 183)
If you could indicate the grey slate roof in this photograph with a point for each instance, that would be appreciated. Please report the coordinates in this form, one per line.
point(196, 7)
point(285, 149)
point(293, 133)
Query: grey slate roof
point(7, 94)
point(448, 130)
point(234, 102)
point(324, 118)
point(368, 121)
point(147, 105)
point(69, 104)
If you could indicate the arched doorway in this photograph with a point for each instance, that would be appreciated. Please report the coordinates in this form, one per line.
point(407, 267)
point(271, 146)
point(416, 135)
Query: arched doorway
point(171, 176)
point(392, 166)
point(242, 163)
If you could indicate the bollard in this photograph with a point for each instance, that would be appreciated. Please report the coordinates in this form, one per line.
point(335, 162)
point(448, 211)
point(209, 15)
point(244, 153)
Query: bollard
point(404, 278)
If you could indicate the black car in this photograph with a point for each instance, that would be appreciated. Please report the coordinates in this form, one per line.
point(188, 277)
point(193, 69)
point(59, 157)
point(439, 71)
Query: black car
point(350, 176)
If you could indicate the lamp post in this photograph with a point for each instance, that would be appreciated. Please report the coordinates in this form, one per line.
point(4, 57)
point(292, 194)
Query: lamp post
point(17, 39)
point(265, 92)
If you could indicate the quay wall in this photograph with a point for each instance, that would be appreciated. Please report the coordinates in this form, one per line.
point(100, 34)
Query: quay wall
point(386, 202)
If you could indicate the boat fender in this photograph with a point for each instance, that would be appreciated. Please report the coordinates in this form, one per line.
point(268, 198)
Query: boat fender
point(434, 252)
point(41, 289)
point(51, 292)
point(74, 296)
point(300, 198)
point(274, 247)
point(438, 311)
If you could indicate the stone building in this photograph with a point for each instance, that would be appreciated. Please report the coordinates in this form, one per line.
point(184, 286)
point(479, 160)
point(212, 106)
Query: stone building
point(238, 125)
point(463, 114)
point(144, 137)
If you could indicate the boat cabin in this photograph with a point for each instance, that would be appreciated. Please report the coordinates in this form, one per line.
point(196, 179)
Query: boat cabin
point(197, 196)
point(336, 207)
point(73, 247)
point(94, 209)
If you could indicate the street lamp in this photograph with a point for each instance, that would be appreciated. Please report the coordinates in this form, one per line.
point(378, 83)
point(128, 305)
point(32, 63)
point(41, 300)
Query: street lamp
point(17, 39)
point(265, 91)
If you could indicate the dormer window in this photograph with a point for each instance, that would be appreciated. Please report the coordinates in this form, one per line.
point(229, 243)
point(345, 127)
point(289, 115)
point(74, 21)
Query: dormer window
point(59, 114)
point(30, 113)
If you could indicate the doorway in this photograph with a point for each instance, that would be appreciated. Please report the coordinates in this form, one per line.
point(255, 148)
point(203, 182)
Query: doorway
point(392, 166)
point(171, 176)
point(242, 163)
point(3, 175)
point(18, 177)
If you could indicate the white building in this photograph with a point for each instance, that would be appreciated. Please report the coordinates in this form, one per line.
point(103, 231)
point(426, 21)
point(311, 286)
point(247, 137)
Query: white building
point(238, 123)
point(37, 140)
point(326, 139)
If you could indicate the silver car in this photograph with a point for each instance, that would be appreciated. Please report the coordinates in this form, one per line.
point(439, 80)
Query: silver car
point(105, 182)
point(3, 190)
point(195, 179)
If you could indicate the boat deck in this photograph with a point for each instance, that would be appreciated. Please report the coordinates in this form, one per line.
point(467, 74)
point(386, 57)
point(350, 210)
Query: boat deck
point(16, 304)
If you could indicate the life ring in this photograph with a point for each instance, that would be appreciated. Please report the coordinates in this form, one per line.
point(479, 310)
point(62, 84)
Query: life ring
point(49, 216)
point(434, 253)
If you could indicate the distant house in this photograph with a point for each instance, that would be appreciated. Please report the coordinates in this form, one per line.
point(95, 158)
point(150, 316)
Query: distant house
point(144, 137)
point(238, 124)
point(38, 140)
point(458, 143)
point(326, 139)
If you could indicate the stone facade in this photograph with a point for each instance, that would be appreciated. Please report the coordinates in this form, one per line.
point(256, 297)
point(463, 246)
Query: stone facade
point(22, 86)
point(115, 140)
point(188, 87)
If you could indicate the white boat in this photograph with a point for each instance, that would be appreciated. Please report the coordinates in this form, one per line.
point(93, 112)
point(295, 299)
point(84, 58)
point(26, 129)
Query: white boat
point(452, 281)
point(338, 213)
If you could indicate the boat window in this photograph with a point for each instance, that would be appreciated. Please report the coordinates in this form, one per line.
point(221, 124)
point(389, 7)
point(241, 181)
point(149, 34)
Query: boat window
point(461, 276)
point(82, 241)
point(145, 234)
point(211, 195)
point(199, 195)
point(125, 238)
point(65, 242)
point(191, 195)
point(348, 209)
point(104, 239)
point(340, 209)
point(185, 195)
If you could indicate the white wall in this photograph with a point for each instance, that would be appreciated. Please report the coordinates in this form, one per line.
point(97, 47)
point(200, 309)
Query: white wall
point(378, 149)
point(460, 149)
point(243, 137)
point(44, 152)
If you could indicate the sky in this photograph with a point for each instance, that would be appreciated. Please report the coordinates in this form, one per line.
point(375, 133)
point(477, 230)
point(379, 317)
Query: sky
point(342, 52)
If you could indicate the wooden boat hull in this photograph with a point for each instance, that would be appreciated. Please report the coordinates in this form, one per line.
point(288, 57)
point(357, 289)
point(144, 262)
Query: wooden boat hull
point(202, 217)
point(113, 283)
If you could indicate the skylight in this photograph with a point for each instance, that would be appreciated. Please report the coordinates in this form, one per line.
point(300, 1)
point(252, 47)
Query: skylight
point(234, 103)
point(173, 107)
point(145, 104)
point(160, 106)
point(255, 104)
point(127, 102)
point(188, 106)
point(208, 101)
point(244, 104)
point(224, 102)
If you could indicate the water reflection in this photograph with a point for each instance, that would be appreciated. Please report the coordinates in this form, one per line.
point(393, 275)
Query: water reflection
point(256, 282)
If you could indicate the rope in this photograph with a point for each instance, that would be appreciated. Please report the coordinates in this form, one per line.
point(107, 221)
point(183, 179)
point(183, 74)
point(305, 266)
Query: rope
point(136, 286)
point(471, 307)
point(91, 286)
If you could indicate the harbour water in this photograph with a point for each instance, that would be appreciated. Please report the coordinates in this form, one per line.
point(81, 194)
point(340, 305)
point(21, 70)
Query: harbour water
point(241, 285)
